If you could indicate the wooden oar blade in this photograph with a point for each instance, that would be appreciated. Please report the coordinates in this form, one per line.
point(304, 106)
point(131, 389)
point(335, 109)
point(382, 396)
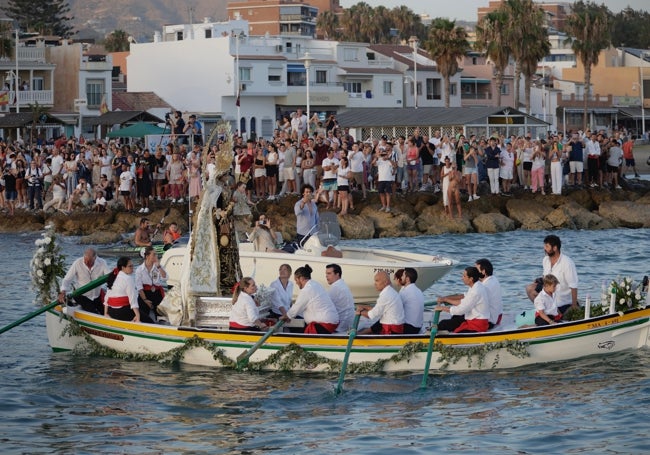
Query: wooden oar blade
point(242, 359)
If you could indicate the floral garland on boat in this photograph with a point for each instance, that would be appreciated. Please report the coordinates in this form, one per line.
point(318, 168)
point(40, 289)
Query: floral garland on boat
point(628, 294)
point(47, 267)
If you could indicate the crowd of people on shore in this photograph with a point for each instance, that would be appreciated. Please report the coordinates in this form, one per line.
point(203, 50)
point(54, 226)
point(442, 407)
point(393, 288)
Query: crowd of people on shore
point(74, 173)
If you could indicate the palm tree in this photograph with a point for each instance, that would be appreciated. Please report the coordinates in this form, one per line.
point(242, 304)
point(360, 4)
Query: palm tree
point(447, 43)
point(491, 37)
point(117, 41)
point(589, 27)
point(327, 23)
point(517, 23)
point(406, 22)
point(533, 45)
point(37, 110)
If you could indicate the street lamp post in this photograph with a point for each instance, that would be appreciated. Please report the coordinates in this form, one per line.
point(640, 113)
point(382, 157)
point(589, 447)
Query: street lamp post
point(642, 105)
point(307, 59)
point(238, 84)
point(413, 41)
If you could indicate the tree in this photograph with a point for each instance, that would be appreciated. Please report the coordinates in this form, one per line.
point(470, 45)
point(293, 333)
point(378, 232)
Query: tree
point(47, 17)
point(327, 23)
point(37, 110)
point(589, 30)
point(117, 41)
point(447, 43)
point(630, 29)
point(492, 37)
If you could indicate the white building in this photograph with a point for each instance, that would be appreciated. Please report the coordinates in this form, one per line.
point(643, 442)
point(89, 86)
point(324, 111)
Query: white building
point(202, 68)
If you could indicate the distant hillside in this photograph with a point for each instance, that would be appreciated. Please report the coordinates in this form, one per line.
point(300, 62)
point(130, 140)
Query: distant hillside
point(139, 18)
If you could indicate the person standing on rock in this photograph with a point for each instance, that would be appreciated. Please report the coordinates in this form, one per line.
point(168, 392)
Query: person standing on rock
point(628, 155)
point(386, 169)
point(492, 163)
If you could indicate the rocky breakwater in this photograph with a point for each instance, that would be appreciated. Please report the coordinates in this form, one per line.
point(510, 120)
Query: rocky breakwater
point(412, 214)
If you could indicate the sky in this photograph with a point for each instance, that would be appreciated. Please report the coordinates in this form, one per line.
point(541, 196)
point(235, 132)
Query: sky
point(466, 9)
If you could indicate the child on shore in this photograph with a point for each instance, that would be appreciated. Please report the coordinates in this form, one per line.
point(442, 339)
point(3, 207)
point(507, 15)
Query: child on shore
point(545, 304)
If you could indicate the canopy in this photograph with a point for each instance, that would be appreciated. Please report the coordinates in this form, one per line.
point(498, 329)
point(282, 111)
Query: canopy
point(140, 129)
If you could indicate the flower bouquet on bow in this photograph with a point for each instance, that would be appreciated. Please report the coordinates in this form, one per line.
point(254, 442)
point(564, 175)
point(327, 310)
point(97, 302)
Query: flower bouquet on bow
point(47, 267)
point(629, 294)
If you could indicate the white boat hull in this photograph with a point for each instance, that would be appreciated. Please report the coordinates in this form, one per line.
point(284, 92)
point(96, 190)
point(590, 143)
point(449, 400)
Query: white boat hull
point(602, 335)
point(359, 266)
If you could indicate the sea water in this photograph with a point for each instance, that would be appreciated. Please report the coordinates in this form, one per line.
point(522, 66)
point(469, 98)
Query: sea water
point(60, 403)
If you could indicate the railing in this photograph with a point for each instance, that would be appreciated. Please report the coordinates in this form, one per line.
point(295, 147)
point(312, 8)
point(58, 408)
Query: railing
point(476, 96)
point(31, 54)
point(32, 97)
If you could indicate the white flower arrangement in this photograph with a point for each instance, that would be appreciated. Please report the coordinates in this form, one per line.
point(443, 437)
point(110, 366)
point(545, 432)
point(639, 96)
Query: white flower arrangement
point(47, 267)
point(628, 294)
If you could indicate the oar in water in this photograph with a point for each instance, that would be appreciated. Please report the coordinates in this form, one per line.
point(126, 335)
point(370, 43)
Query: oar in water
point(82, 290)
point(344, 365)
point(242, 359)
point(427, 362)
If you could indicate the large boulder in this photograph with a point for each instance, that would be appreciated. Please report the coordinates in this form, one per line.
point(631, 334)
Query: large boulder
point(573, 216)
point(433, 220)
point(392, 224)
point(356, 227)
point(101, 237)
point(491, 223)
point(529, 214)
point(626, 213)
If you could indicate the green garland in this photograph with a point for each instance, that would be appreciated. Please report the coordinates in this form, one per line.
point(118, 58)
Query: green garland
point(294, 357)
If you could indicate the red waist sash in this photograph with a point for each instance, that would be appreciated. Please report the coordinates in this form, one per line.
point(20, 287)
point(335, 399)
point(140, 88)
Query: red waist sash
point(234, 325)
point(555, 317)
point(390, 329)
point(150, 288)
point(118, 302)
point(311, 327)
point(475, 325)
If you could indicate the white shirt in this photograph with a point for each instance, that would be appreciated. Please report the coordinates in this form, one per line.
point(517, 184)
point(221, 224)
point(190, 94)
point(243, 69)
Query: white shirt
point(144, 276)
point(389, 308)
point(314, 305)
point(356, 161)
point(495, 298)
point(546, 303)
point(329, 174)
point(385, 170)
point(474, 305)
point(244, 311)
point(124, 285)
point(342, 176)
point(413, 300)
point(593, 148)
point(565, 271)
point(342, 298)
point(81, 275)
point(126, 178)
point(282, 296)
point(57, 164)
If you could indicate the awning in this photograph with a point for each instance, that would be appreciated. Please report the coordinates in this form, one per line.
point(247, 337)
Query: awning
point(295, 68)
point(473, 80)
point(138, 130)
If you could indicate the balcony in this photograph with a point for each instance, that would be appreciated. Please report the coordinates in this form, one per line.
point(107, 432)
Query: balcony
point(27, 97)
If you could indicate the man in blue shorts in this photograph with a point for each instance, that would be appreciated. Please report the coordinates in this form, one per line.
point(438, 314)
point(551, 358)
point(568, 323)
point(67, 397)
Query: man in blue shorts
point(386, 169)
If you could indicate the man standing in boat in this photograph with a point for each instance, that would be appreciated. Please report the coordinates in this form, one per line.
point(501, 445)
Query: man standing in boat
point(306, 212)
point(564, 269)
point(83, 271)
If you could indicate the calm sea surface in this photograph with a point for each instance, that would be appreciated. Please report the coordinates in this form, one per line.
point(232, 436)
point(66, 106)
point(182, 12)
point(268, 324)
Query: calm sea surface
point(58, 403)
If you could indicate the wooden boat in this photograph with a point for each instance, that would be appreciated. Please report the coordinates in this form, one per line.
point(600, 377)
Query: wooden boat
point(504, 347)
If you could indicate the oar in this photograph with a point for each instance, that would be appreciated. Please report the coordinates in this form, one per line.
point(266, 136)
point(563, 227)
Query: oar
point(344, 365)
point(427, 363)
point(242, 359)
point(82, 290)
point(161, 222)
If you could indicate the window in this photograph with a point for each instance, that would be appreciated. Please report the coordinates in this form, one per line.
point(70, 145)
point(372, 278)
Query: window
point(244, 74)
point(388, 87)
point(433, 89)
point(350, 54)
point(37, 83)
point(179, 36)
point(94, 92)
point(453, 89)
point(296, 79)
point(208, 33)
point(353, 89)
point(321, 77)
point(275, 74)
point(505, 90)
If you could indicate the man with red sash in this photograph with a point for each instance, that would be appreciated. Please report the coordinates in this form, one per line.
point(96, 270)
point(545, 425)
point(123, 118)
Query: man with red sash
point(313, 304)
point(469, 313)
point(389, 310)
